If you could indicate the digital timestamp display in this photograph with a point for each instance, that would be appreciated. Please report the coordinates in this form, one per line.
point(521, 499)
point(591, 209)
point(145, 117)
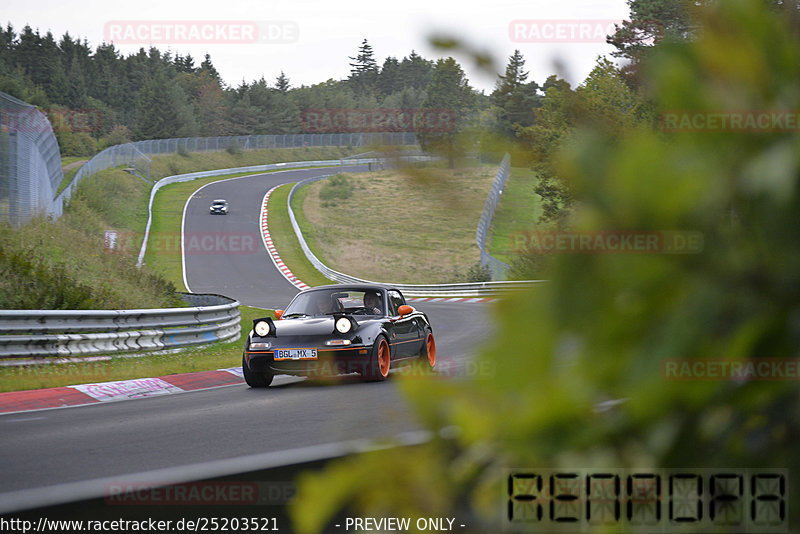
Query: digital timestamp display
point(657, 500)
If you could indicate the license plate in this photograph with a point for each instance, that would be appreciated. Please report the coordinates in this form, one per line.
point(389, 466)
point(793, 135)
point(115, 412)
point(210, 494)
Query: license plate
point(295, 354)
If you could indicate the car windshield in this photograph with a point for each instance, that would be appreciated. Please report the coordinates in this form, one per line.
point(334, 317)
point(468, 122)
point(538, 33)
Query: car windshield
point(219, 202)
point(329, 301)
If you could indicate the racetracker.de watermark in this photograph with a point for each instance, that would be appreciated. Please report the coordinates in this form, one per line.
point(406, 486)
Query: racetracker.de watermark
point(377, 120)
point(745, 121)
point(32, 120)
point(191, 243)
point(606, 242)
point(151, 32)
point(129, 493)
point(703, 369)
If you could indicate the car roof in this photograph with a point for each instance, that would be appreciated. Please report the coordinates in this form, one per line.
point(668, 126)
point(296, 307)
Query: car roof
point(353, 287)
point(219, 200)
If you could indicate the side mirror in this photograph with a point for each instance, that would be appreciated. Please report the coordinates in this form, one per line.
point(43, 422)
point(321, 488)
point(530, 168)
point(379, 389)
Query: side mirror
point(405, 309)
point(278, 314)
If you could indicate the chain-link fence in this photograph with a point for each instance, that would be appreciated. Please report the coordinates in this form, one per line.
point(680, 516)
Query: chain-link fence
point(30, 162)
point(496, 267)
point(136, 156)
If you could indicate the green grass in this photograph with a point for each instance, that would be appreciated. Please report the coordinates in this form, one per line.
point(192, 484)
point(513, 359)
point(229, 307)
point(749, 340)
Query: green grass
point(168, 165)
point(68, 175)
point(201, 358)
point(519, 210)
point(412, 225)
point(284, 239)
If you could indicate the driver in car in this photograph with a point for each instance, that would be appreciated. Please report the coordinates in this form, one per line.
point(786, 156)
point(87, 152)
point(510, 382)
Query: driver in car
point(325, 305)
point(372, 303)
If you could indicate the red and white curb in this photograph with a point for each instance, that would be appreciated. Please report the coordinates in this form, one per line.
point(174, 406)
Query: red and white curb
point(83, 394)
point(273, 252)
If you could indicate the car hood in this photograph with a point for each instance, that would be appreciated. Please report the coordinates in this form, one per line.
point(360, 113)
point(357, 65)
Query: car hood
point(310, 326)
point(313, 326)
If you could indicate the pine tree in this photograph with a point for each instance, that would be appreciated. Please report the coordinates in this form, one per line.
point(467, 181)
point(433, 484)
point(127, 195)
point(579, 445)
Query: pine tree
point(389, 77)
point(415, 71)
point(513, 99)
point(448, 90)
point(208, 67)
point(282, 83)
point(364, 70)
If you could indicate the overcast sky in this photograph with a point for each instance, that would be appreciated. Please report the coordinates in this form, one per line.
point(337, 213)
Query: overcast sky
point(310, 40)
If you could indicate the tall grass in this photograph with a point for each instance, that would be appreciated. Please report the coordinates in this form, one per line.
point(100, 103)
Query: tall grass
point(64, 264)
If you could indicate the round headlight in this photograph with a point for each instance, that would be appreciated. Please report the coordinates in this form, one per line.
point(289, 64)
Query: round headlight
point(343, 325)
point(262, 328)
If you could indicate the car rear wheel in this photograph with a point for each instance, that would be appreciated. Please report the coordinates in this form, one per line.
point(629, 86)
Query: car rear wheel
point(255, 379)
point(429, 350)
point(380, 361)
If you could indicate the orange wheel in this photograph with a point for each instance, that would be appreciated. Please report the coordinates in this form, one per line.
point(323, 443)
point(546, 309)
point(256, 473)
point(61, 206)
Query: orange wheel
point(380, 362)
point(430, 349)
point(384, 359)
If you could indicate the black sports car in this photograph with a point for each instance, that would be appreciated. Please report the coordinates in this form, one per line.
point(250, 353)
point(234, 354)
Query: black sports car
point(338, 329)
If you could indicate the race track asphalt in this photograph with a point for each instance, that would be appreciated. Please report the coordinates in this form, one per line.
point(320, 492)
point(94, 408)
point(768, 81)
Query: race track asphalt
point(116, 439)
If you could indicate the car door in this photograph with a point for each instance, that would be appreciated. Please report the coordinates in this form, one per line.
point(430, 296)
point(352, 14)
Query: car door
point(406, 334)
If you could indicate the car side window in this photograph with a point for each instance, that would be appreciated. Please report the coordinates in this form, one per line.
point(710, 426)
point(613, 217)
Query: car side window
point(395, 301)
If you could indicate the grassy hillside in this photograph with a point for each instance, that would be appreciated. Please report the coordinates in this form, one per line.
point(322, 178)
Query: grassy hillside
point(63, 264)
point(401, 226)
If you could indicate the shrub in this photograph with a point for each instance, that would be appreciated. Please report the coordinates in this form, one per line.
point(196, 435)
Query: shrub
point(337, 187)
point(479, 273)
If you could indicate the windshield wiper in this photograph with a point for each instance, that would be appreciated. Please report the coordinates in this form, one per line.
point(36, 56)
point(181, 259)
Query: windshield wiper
point(298, 314)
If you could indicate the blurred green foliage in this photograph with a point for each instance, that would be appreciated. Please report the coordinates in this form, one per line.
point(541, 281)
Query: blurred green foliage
point(603, 326)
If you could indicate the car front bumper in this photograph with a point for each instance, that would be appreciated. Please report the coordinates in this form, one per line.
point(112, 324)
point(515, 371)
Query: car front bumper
point(329, 362)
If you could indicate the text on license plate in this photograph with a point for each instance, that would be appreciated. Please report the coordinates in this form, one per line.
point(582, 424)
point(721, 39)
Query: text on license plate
point(295, 354)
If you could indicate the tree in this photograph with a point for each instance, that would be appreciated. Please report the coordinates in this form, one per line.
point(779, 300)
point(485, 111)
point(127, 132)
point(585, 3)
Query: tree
point(363, 70)
point(207, 67)
point(389, 77)
point(282, 83)
point(651, 22)
point(513, 99)
point(449, 90)
point(415, 71)
point(163, 110)
point(555, 121)
point(212, 110)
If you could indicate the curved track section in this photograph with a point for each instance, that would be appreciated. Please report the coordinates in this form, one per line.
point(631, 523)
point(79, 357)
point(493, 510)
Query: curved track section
point(224, 253)
point(119, 439)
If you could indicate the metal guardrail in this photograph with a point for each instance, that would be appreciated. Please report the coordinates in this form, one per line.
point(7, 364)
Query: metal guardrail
point(477, 289)
point(67, 333)
point(496, 267)
point(137, 155)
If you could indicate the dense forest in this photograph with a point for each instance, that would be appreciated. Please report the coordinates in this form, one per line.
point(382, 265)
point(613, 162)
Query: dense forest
point(99, 97)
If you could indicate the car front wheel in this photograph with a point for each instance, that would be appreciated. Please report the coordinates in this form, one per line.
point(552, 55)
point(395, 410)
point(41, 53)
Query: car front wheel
point(255, 379)
point(380, 361)
point(429, 350)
